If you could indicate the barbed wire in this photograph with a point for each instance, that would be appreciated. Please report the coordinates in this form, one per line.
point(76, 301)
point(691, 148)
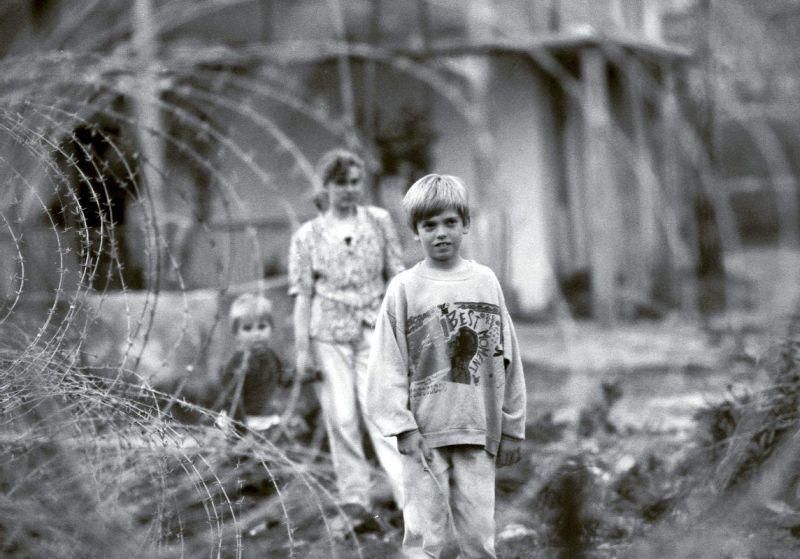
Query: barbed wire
point(96, 379)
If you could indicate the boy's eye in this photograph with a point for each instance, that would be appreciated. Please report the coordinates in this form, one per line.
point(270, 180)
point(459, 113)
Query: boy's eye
point(247, 327)
point(262, 325)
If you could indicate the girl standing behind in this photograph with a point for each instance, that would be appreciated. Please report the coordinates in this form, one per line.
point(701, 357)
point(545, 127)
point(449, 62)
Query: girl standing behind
point(339, 265)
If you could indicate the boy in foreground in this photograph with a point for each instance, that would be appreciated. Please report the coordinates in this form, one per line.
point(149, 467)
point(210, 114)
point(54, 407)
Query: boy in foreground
point(445, 377)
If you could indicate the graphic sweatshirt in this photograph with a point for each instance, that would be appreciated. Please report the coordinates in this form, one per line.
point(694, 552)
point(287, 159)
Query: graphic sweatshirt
point(445, 359)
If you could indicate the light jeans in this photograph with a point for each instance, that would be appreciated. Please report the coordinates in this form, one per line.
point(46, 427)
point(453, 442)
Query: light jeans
point(458, 479)
point(342, 395)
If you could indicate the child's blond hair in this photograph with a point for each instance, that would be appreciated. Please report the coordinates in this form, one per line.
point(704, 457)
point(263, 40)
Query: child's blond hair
point(433, 194)
point(249, 307)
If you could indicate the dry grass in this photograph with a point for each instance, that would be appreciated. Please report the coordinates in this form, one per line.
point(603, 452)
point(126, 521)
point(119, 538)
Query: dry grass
point(94, 470)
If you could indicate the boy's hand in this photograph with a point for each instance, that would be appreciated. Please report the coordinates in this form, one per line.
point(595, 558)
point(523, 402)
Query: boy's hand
point(509, 453)
point(411, 443)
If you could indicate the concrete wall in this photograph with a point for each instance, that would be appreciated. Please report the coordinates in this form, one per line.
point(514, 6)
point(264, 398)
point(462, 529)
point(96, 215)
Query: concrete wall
point(526, 177)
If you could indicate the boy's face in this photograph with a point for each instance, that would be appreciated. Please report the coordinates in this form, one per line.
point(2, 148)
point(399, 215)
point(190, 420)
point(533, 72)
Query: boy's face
point(441, 236)
point(252, 331)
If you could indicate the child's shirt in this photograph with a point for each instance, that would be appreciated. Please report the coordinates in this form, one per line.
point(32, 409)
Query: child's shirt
point(345, 280)
point(262, 373)
point(445, 359)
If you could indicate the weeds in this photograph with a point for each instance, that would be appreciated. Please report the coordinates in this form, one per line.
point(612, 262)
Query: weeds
point(91, 469)
point(743, 433)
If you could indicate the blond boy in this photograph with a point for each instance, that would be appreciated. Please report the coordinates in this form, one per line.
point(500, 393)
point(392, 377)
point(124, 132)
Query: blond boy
point(445, 377)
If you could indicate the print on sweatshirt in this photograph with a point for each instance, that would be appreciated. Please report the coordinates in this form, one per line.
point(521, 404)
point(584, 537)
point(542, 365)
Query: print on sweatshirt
point(449, 343)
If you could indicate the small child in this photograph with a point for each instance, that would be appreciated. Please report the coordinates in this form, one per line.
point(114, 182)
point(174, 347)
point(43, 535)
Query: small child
point(253, 372)
point(445, 378)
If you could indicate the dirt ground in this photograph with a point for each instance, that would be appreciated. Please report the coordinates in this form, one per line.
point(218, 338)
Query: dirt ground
point(612, 474)
point(616, 460)
point(637, 454)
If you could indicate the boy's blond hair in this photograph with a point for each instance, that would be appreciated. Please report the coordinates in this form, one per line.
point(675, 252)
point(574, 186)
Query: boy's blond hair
point(433, 194)
point(249, 307)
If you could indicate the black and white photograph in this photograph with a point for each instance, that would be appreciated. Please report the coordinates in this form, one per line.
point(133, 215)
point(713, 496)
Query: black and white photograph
point(377, 279)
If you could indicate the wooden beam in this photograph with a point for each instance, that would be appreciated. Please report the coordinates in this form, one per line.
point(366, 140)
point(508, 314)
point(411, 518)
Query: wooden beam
point(677, 215)
point(646, 178)
point(603, 211)
point(575, 177)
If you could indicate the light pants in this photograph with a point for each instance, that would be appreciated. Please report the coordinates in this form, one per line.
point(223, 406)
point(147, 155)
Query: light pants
point(341, 395)
point(461, 479)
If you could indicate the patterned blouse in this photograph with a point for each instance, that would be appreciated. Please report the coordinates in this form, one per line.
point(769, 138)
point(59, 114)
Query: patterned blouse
point(345, 280)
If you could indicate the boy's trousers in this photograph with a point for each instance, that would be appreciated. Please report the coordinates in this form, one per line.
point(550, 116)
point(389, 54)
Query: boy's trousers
point(460, 478)
point(341, 395)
